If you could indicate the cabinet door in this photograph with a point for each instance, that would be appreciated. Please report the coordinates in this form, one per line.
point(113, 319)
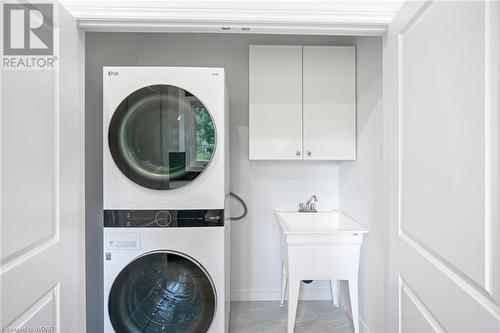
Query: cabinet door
point(329, 102)
point(275, 102)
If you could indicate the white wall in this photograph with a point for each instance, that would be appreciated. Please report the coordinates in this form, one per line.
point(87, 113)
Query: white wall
point(360, 186)
point(265, 186)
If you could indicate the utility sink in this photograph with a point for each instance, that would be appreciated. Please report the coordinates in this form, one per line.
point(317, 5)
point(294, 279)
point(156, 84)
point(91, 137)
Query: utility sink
point(322, 245)
point(322, 222)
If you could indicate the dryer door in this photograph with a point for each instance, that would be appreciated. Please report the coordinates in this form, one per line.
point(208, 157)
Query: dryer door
point(162, 137)
point(162, 292)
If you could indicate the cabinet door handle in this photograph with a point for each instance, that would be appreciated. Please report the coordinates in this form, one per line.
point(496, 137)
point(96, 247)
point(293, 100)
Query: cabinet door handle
point(309, 153)
point(297, 153)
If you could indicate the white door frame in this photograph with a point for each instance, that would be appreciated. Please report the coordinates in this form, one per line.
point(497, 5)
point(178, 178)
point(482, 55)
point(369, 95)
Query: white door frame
point(129, 16)
point(133, 16)
point(302, 17)
point(101, 16)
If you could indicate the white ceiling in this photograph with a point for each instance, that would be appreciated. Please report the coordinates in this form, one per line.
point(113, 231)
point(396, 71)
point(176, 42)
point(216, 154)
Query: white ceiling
point(310, 17)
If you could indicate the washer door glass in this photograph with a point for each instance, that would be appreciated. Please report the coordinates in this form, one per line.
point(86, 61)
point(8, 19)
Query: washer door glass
point(162, 292)
point(161, 137)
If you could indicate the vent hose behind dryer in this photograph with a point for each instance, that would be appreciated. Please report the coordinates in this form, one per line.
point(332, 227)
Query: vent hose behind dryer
point(245, 208)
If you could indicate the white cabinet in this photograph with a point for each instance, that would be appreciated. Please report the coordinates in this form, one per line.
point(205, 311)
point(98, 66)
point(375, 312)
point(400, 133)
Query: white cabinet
point(302, 102)
point(275, 102)
point(329, 102)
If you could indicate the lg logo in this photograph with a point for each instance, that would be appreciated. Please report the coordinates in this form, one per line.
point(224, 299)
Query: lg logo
point(28, 29)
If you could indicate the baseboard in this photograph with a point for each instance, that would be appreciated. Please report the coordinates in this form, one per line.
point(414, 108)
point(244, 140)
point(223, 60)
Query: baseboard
point(363, 327)
point(254, 295)
point(274, 295)
point(345, 305)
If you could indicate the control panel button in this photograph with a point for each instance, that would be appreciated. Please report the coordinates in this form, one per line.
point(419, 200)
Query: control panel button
point(163, 218)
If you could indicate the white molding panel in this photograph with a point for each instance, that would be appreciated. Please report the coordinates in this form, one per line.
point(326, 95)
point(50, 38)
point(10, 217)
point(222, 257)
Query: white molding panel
point(363, 18)
point(44, 314)
point(420, 316)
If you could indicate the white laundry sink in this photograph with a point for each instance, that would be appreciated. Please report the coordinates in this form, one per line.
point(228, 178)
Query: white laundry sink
point(322, 245)
point(293, 222)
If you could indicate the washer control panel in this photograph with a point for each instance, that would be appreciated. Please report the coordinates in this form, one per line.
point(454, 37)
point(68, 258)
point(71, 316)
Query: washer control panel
point(163, 218)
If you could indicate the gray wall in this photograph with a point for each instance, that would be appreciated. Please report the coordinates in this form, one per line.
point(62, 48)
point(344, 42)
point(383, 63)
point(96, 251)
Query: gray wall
point(255, 263)
point(360, 186)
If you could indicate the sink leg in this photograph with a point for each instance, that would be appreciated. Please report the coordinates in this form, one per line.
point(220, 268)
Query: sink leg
point(334, 284)
point(293, 299)
point(283, 284)
point(353, 291)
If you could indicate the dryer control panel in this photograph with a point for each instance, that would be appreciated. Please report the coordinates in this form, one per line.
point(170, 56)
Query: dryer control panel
point(163, 218)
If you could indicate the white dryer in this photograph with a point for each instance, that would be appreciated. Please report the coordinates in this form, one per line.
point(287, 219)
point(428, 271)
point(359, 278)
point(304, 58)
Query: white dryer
point(165, 137)
point(164, 271)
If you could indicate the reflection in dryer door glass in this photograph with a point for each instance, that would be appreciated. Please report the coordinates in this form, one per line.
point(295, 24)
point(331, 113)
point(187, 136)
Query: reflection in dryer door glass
point(161, 137)
point(205, 135)
point(162, 292)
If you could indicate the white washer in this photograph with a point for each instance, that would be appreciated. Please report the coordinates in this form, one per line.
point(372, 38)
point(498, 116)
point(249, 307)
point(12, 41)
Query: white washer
point(164, 271)
point(165, 138)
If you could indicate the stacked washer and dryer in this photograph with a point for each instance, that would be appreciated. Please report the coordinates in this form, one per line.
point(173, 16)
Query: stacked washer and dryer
point(166, 230)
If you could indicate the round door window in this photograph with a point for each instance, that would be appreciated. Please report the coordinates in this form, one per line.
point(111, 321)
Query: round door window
point(162, 292)
point(162, 137)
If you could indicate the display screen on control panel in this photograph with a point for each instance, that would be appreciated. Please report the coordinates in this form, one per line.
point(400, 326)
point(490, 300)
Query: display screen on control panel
point(163, 218)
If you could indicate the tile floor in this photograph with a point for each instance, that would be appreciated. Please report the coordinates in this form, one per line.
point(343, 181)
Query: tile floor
point(269, 317)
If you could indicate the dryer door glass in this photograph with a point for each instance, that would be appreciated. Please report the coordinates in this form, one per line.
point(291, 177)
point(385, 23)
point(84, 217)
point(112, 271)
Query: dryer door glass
point(162, 292)
point(162, 137)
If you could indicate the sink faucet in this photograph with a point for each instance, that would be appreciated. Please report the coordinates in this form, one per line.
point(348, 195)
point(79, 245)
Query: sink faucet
point(309, 206)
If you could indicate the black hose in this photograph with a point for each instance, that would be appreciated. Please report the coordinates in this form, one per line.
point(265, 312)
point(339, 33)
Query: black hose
point(245, 208)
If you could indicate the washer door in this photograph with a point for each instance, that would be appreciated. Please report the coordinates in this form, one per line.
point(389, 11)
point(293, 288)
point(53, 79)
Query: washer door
point(162, 137)
point(162, 292)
